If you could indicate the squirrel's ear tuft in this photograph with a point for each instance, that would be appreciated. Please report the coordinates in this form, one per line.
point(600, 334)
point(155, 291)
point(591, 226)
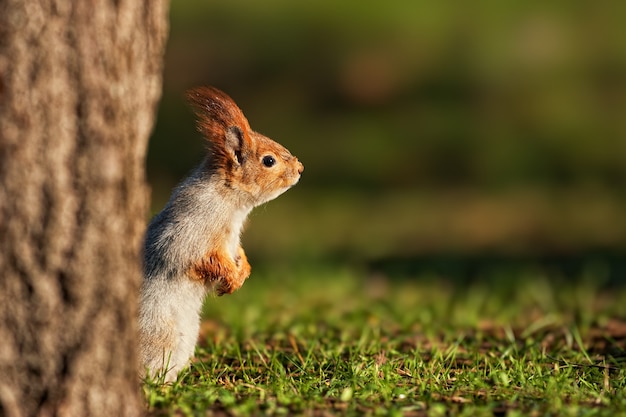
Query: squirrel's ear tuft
point(218, 116)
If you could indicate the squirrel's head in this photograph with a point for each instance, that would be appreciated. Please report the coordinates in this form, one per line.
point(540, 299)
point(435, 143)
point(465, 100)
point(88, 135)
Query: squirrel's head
point(248, 163)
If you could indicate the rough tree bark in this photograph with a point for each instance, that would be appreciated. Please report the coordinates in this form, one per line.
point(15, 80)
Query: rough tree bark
point(79, 84)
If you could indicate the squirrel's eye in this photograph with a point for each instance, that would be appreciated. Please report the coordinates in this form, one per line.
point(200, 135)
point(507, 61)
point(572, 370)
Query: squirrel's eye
point(269, 161)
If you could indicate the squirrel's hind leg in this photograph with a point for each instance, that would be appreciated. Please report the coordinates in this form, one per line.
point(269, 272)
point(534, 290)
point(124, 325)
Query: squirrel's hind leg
point(169, 322)
point(158, 352)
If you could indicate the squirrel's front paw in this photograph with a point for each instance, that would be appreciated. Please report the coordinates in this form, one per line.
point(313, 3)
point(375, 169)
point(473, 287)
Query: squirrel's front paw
point(220, 272)
point(243, 265)
point(214, 270)
point(231, 283)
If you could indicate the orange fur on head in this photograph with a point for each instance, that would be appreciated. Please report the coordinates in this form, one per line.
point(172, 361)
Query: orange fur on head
point(217, 113)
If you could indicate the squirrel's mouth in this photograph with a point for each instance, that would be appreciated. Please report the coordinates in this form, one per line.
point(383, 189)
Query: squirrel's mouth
point(294, 181)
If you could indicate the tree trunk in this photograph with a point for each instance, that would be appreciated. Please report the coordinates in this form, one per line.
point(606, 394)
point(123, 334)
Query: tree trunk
point(79, 84)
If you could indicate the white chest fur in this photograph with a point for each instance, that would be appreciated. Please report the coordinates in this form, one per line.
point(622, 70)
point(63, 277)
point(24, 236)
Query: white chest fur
point(237, 225)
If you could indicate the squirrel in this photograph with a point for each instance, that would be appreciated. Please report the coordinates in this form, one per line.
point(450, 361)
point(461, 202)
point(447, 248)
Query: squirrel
point(192, 247)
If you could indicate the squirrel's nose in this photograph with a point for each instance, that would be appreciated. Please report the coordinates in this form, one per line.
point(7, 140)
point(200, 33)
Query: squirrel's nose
point(300, 166)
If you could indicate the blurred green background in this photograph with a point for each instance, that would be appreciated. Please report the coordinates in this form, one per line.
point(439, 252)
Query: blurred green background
point(434, 134)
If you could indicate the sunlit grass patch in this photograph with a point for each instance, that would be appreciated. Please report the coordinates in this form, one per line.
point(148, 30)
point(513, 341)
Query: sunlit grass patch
point(326, 341)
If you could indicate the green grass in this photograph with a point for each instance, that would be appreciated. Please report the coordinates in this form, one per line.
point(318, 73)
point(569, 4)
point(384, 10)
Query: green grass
point(334, 341)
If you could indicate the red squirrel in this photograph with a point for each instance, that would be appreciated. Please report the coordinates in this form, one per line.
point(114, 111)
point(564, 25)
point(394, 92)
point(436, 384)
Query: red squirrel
point(192, 247)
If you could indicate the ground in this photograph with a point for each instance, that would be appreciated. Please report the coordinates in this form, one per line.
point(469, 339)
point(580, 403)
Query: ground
point(349, 341)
